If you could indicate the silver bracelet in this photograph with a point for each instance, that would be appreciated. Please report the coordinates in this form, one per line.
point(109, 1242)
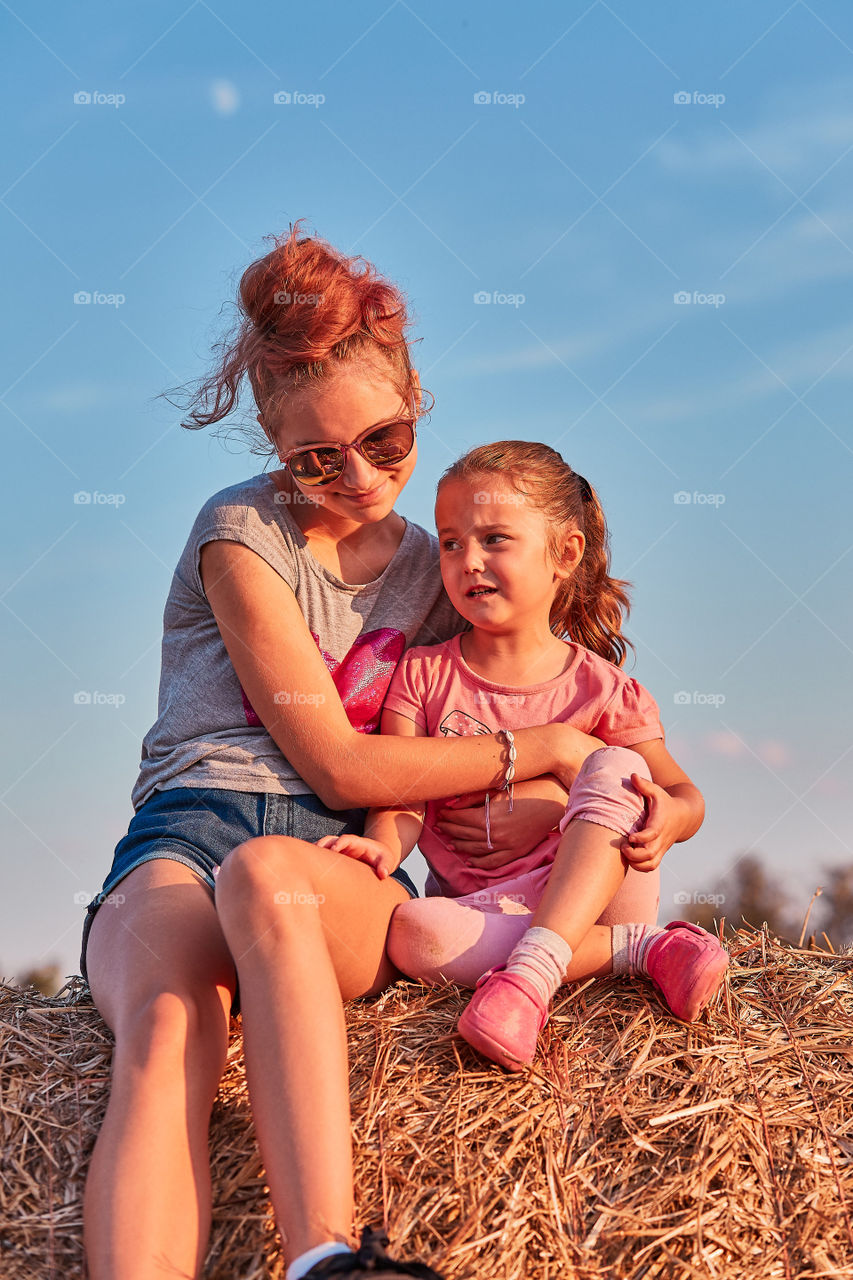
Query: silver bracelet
point(512, 756)
point(507, 784)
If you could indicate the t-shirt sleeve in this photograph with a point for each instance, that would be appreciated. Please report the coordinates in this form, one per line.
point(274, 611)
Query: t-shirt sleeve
point(630, 716)
point(407, 691)
point(244, 524)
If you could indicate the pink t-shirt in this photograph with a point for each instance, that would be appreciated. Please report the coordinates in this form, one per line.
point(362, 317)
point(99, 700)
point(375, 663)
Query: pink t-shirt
point(434, 686)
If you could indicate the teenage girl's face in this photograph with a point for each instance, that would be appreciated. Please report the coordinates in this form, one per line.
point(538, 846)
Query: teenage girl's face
point(338, 411)
point(495, 562)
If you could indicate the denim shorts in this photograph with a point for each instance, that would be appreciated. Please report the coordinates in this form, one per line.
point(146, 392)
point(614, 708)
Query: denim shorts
point(198, 826)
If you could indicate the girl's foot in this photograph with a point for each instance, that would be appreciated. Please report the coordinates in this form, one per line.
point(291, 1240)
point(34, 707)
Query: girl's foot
point(371, 1261)
point(503, 1019)
point(687, 965)
point(506, 1013)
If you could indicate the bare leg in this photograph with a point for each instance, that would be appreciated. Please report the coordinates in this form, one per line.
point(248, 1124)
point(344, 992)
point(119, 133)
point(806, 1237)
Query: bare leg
point(637, 900)
point(458, 939)
point(162, 978)
point(440, 940)
point(306, 927)
point(588, 870)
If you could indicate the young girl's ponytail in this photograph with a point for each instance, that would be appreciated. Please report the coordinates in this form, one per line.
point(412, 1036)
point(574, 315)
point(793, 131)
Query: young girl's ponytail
point(592, 606)
point(304, 309)
point(589, 607)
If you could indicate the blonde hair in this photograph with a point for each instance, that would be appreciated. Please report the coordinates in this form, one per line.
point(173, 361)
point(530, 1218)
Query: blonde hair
point(588, 607)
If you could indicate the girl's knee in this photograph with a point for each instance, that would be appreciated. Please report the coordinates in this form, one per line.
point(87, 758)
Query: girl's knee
point(258, 868)
point(174, 1032)
point(603, 791)
point(422, 936)
point(609, 765)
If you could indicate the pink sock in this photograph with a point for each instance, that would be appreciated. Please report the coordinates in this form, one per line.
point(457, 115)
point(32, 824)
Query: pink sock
point(542, 958)
point(630, 943)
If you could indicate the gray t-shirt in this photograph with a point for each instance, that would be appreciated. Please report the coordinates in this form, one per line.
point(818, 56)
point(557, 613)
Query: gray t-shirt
point(207, 733)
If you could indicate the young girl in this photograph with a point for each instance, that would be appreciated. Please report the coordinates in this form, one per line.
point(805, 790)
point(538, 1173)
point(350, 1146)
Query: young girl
point(294, 598)
point(524, 558)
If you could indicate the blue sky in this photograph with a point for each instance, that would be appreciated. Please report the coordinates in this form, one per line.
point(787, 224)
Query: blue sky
point(547, 164)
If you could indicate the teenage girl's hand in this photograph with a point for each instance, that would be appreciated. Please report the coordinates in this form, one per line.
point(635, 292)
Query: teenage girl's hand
point(362, 849)
point(573, 748)
point(644, 849)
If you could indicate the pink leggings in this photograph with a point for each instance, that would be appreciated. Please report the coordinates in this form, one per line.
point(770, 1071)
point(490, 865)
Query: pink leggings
point(457, 939)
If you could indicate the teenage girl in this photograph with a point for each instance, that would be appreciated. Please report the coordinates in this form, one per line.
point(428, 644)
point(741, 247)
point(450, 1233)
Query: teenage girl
point(524, 558)
point(293, 600)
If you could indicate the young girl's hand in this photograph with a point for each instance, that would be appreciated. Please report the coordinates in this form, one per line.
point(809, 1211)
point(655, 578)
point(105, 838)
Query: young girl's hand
point(644, 849)
point(362, 849)
point(538, 806)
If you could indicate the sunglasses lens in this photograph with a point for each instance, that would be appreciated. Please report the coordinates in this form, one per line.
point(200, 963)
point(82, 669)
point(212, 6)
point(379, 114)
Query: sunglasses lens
point(386, 446)
point(317, 466)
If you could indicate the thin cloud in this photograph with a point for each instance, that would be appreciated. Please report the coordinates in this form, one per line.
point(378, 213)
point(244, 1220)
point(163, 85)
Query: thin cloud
point(798, 136)
point(225, 97)
point(725, 744)
point(73, 397)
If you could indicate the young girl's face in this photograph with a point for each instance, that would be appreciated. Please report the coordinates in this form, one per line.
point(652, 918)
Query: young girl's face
point(495, 562)
point(338, 411)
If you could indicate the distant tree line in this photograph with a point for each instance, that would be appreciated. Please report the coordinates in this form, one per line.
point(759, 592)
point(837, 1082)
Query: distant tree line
point(750, 894)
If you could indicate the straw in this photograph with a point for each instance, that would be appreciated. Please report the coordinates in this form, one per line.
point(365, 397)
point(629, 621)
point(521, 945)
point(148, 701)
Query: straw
point(637, 1146)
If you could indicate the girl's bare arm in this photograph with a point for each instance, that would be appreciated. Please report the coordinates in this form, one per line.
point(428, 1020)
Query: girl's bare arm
point(671, 778)
point(675, 808)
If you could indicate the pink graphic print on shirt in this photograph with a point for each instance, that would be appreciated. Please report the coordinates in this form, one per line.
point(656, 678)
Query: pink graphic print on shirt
point(461, 725)
point(361, 678)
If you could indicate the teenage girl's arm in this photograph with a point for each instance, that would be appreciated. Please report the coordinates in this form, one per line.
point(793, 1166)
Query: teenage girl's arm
point(273, 653)
point(390, 834)
point(675, 811)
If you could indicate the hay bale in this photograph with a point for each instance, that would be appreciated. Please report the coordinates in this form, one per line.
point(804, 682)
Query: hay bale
point(637, 1146)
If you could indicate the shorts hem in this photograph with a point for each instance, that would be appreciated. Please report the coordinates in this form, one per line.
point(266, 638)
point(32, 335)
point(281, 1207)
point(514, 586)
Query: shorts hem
point(402, 877)
point(91, 910)
point(170, 855)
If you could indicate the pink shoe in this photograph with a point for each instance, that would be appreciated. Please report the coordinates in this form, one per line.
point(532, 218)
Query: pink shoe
point(687, 965)
point(503, 1019)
